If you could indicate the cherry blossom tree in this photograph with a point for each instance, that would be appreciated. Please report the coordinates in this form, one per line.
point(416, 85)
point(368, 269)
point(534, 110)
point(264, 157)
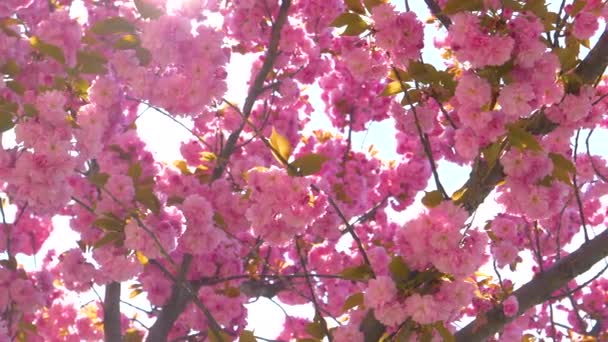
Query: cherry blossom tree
point(253, 206)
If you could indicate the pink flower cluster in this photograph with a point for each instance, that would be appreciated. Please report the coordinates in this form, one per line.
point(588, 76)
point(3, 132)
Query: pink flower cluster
point(400, 34)
point(201, 235)
point(392, 308)
point(472, 44)
point(435, 239)
point(281, 206)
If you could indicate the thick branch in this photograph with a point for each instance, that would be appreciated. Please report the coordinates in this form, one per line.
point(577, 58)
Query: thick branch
point(256, 88)
point(484, 178)
point(111, 313)
point(595, 63)
point(539, 289)
point(174, 307)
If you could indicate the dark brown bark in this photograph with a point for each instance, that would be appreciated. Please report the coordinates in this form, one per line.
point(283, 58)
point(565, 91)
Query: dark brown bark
point(112, 329)
point(538, 289)
point(484, 179)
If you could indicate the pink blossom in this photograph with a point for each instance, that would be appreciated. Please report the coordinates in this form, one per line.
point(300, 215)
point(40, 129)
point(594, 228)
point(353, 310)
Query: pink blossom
point(422, 308)
point(380, 291)
point(473, 91)
point(510, 306)
point(515, 99)
point(585, 25)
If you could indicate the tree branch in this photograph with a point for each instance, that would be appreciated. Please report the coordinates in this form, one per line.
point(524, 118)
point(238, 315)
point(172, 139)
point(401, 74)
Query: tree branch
point(174, 307)
point(595, 62)
point(256, 89)
point(539, 289)
point(484, 178)
point(436, 11)
point(111, 313)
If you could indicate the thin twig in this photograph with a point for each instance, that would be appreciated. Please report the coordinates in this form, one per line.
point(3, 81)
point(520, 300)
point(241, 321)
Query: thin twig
point(424, 140)
point(577, 195)
point(315, 304)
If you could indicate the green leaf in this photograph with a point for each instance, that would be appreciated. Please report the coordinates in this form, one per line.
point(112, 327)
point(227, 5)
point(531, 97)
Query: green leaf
point(50, 50)
point(426, 334)
point(357, 273)
point(568, 56)
point(128, 41)
point(422, 72)
point(89, 62)
point(10, 263)
point(145, 195)
point(6, 121)
point(528, 338)
point(133, 335)
point(147, 10)
point(109, 223)
point(405, 332)
point(15, 86)
point(540, 9)
point(99, 179)
point(372, 328)
point(23, 325)
point(143, 55)
point(444, 332)
point(247, 336)
point(11, 68)
point(577, 6)
point(81, 87)
point(563, 168)
point(141, 258)
point(218, 336)
point(307, 165)
point(30, 110)
point(355, 6)
point(458, 195)
point(134, 293)
point(315, 330)
point(7, 106)
point(413, 96)
point(113, 25)
point(219, 220)
point(108, 238)
point(432, 198)
point(174, 200)
point(392, 88)
point(562, 162)
point(522, 139)
point(135, 171)
point(281, 145)
point(399, 270)
point(352, 301)
point(341, 194)
point(345, 19)
point(182, 165)
point(370, 4)
point(455, 6)
point(355, 25)
point(512, 5)
point(491, 153)
point(5, 25)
